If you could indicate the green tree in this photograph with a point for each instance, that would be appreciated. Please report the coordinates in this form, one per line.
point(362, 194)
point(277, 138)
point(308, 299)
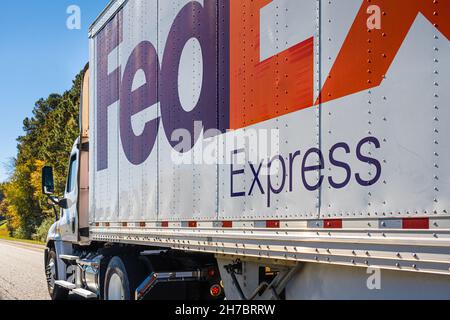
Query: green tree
point(48, 138)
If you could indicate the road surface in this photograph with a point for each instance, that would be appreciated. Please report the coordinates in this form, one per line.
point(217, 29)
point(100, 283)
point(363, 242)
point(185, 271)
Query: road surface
point(22, 275)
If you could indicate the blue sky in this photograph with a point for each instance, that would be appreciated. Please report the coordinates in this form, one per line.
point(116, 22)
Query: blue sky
point(38, 56)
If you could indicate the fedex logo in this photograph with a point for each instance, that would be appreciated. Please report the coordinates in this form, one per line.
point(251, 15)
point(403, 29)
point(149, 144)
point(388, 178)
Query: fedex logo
point(240, 89)
point(161, 85)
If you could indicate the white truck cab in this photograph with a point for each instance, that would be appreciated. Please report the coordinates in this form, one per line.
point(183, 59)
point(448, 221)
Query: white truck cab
point(68, 223)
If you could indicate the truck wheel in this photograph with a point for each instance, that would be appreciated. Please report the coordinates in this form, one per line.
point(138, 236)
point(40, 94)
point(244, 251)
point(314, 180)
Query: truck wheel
point(122, 278)
point(51, 270)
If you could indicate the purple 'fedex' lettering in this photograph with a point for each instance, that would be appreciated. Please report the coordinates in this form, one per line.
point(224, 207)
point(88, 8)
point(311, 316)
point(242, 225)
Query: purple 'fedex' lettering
point(212, 110)
point(108, 82)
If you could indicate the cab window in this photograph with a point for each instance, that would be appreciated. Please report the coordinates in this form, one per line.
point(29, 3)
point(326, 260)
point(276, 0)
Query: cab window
point(71, 181)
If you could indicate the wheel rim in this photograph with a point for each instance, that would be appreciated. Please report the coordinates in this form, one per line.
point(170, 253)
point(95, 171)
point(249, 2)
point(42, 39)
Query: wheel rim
point(115, 288)
point(51, 273)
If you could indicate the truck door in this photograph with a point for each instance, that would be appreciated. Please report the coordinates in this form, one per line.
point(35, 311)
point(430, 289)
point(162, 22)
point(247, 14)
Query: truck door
point(83, 162)
point(69, 221)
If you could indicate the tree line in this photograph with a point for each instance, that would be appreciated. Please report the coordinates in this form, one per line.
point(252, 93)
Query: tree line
point(47, 140)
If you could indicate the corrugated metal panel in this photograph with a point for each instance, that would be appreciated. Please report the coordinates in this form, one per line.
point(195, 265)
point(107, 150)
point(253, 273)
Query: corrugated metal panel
point(139, 112)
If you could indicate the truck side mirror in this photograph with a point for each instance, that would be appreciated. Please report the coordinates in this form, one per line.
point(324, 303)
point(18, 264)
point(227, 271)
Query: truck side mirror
point(64, 204)
point(48, 184)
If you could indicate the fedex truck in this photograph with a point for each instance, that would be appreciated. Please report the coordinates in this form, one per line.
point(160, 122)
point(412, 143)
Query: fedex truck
point(259, 149)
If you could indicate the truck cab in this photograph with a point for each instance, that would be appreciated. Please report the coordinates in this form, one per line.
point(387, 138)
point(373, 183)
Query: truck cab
point(66, 226)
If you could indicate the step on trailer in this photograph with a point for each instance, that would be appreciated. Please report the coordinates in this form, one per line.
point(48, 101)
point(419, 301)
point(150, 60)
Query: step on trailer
point(260, 149)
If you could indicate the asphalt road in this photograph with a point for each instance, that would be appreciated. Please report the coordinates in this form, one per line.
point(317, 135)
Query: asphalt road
point(22, 275)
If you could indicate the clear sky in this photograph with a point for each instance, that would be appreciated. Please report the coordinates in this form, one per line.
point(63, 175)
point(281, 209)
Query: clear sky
point(39, 55)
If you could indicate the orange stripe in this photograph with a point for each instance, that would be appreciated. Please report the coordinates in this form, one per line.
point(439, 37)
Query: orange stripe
point(264, 90)
point(227, 224)
point(416, 223)
point(192, 224)
point(273, 224)
point(332, 224)
point(366, 55)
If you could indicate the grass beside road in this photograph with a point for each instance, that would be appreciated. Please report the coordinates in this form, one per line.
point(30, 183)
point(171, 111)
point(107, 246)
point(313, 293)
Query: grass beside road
point(4, 235)
point(3, 231)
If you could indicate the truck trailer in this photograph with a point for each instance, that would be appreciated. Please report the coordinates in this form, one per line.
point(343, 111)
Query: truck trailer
point(259, 150)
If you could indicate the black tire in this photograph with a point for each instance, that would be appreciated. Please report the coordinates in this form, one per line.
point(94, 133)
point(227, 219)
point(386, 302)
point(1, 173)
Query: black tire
point(124, 272)
point(51, 271)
